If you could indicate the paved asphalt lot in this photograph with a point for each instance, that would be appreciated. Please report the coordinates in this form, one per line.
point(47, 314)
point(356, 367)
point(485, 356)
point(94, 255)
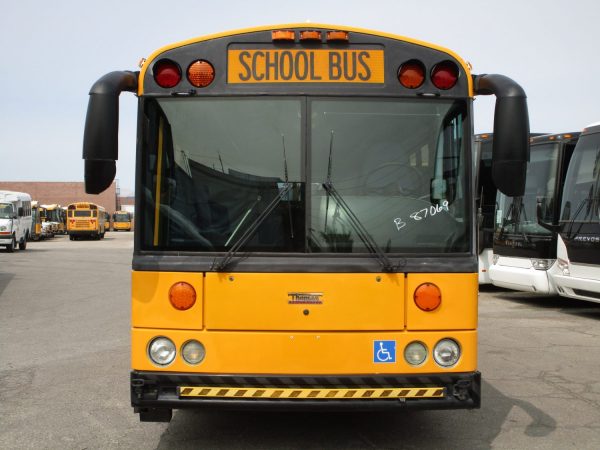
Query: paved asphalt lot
point(64, 368)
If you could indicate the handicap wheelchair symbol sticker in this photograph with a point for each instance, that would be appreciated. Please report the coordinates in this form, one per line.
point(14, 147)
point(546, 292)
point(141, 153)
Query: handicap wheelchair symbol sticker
point(384, 351)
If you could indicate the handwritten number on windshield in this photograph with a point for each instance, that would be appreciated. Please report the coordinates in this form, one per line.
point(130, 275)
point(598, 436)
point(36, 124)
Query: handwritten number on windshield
point(431, 211)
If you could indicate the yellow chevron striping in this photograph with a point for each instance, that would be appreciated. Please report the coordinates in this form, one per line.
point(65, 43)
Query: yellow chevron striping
point(310, 393)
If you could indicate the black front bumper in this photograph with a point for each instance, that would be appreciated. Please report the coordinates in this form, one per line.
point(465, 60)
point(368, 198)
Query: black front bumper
point(153, 391)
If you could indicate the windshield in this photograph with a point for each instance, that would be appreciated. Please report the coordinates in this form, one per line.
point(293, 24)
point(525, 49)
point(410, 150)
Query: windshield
point(215, 165)
point(6, 211)
point(121, 218)
point(519, 214)
point(582, 185)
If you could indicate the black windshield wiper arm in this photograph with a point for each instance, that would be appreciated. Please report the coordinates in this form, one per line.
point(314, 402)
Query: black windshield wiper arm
point(360, 229)
point(224, 262)
point(515, 210)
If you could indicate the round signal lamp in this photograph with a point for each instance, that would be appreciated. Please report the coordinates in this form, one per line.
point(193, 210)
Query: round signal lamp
point(182, 296)
point(167, 73)
point(428, 297)
point(411, 74)
point(201, 73)
point(444, 75)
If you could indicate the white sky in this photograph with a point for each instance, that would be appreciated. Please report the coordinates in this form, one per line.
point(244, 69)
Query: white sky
point(52, 52)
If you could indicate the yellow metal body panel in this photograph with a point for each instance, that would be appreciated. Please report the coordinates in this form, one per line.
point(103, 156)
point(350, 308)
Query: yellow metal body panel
point(249, 324)
point(150, 305)
point(122, 226)
point(274, 301)
point(305, 66)
point(303, 26)
point(248, 352)
point(458, 310)
point(311, 393)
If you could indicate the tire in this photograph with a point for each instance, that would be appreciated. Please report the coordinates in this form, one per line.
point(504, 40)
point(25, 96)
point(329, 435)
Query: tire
point(23, 244)
point(71, 237)
point(13, 246)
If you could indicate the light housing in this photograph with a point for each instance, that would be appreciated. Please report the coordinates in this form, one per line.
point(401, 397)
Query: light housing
point(427, 297)
point(193, 352)
point(161, 351)
point(446, 353)
point(411, 74)
point(542, 264)
point(338, 36)
point(167, 73)
point(563, 265)
point(200, 73)
point(415, 353)
point(182, 296)
point(283, 35)
point(310, 35)
point(444, 75)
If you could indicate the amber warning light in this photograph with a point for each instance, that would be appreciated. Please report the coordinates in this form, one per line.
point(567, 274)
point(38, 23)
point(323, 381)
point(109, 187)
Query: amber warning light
point(428, 297)
point(201, 73)
point(182, 296)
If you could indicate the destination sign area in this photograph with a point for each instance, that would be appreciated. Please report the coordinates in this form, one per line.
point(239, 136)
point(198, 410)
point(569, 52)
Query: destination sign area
point(305, 66)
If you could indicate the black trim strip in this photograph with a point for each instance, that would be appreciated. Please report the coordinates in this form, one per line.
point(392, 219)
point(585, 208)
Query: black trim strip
point(174, 262)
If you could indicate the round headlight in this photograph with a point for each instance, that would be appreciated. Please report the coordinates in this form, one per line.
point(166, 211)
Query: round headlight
point(415, 353)
point(193, 352)
point(162, 351)
point(446, 353)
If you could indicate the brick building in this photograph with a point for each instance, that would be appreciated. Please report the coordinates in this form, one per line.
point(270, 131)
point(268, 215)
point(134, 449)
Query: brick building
point(63, 193)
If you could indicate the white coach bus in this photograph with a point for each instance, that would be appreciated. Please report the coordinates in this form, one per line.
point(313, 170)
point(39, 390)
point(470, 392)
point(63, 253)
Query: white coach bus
point(15, 219)
point(577, 272)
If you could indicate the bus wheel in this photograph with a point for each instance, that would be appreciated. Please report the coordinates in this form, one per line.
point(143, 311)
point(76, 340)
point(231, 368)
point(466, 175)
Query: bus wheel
point(23, 244)
point(12, 246)
point(71, 237)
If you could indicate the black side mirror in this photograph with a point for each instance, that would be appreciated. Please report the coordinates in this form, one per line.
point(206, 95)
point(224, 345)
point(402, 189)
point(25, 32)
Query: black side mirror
point(100, 139)
point(510, 149)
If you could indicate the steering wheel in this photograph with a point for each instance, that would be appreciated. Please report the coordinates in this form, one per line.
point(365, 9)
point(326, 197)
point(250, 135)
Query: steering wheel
point(395, 178)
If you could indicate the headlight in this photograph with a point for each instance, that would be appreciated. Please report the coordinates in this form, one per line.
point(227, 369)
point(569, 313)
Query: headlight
point(446, 353)
point(415, 353)
point(495, 258)
point(564, 267)
point(161, 351)
point(542, 264)
point(193, 352)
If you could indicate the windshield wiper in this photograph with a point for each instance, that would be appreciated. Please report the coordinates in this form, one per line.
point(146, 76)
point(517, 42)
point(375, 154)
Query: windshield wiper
point(515, 210)
point(287, 186)
point(588, 201)
point(356, 224)
point(360, 229)
point(224, 262)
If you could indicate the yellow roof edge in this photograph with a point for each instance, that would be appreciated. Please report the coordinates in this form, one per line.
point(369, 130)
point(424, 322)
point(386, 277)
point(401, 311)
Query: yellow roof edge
point(307, 26)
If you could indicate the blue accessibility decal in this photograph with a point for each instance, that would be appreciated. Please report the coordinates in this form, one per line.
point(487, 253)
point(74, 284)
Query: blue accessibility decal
point(384, 351)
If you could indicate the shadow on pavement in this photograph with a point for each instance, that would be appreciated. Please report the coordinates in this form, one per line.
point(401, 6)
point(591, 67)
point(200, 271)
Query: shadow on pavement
point(580, 308)
point(476, 429)
point(5, 279)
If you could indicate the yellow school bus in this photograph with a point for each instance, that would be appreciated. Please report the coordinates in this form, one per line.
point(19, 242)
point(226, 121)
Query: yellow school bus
point(85, 220)
point(306, 230)
point(122, 221)
point(58, 216)
point(36, 222)
point(106, 221)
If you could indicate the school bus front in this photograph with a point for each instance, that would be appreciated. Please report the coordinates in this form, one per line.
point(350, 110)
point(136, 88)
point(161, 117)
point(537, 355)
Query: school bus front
point(305, 230)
